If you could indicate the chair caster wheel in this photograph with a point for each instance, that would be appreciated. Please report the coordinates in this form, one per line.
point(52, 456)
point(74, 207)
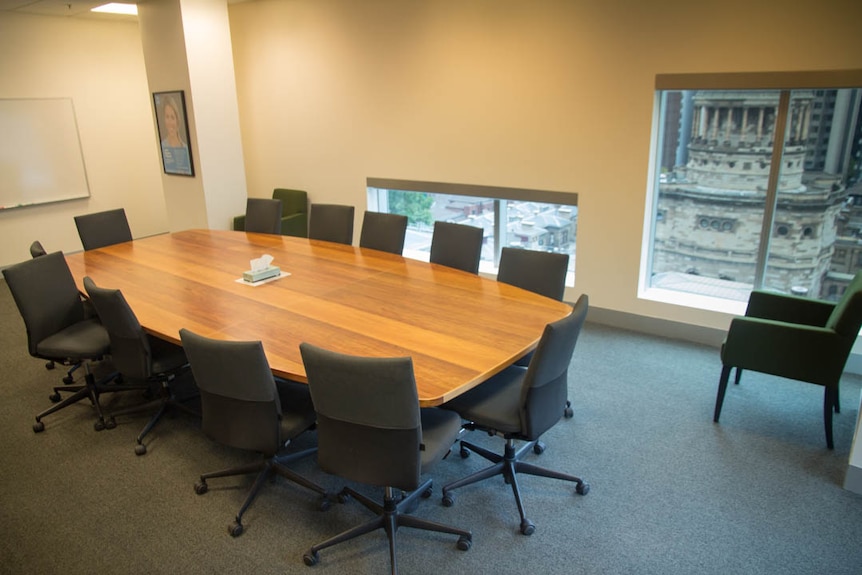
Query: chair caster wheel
point(110, 423)
point(68, 380)
point(343, 497)
point(235, 529)
point(99, 425)
point(311, 558)
point(527, 527)
point(54, 397)
point(49, 365)
point(448, 500)
point(201, 487)
point(465, 453)
point(427, 493)
point(583, 488)
point(324, 504)
point(140, 449)
point(539, 448)
point(568, 413)
point(464, 543)
point(38, 427)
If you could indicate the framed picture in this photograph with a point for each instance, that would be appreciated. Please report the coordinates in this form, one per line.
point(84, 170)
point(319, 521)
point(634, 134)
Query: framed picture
point(174, 133)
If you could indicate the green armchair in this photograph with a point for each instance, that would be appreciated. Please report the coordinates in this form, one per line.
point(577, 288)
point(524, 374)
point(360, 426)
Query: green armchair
point(294, 213)
point(797, 338)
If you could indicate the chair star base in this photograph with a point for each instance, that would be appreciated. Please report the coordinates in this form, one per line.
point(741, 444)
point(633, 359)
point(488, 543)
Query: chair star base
point(91, 389)
point(265, 470)
point(391, 515)
point(509, 465)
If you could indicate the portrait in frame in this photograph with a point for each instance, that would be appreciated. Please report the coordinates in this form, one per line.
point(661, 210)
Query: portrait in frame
point(174, 132)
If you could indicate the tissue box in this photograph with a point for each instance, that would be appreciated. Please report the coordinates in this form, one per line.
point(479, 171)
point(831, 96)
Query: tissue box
point(253, 276)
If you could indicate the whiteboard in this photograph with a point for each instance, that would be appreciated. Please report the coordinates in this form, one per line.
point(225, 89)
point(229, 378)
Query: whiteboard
point(40, 153)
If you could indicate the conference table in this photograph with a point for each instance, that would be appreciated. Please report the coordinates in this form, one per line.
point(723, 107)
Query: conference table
point(459, 328)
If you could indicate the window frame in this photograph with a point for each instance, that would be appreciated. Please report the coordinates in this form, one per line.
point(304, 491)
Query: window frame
point(785, 83)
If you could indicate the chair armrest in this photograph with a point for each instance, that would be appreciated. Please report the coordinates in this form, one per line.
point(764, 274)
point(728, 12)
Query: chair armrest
point(807, 353)
point(787, 308)
point(239, 223)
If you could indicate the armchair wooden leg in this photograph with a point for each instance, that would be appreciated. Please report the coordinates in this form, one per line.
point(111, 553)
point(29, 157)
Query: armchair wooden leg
point(722, 388)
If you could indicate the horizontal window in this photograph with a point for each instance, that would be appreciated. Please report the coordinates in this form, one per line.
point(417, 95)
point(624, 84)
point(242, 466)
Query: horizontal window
point(515, 217)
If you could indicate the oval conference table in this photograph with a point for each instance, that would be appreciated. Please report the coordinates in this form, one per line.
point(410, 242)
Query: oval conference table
point(459, 328)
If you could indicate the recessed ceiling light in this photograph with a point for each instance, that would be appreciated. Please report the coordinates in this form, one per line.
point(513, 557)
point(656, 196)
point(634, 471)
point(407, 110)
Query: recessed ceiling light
point(117, 8)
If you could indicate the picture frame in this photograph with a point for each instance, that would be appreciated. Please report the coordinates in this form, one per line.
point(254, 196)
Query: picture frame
point(174, 142)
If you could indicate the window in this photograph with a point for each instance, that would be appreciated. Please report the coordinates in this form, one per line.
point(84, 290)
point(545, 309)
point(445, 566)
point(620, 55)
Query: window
point(777, 223)
point(528, 219)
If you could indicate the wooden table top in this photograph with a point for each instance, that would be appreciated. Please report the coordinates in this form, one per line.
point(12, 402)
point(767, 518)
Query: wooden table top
point(459, 328)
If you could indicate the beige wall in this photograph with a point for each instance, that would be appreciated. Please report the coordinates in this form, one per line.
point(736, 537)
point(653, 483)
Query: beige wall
point(547, 94)
point(99, 64)
point(553, 95)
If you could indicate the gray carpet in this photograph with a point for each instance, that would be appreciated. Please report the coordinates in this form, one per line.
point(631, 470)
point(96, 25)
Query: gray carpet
point(672, 493)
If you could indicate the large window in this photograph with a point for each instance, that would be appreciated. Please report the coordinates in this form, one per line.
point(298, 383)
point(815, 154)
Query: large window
point(753, 189)
point(528, 219)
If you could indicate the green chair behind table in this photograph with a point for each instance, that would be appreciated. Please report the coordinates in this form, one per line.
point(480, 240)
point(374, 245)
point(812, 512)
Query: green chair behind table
point(797, 338)
point(294, 213)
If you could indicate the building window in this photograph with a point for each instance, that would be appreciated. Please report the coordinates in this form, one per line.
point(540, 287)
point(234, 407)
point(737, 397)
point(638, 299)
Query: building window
point(514, 217)
point(701, 135)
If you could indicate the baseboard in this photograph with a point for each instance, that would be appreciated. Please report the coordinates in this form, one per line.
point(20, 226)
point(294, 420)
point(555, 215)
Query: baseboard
point(655, 326)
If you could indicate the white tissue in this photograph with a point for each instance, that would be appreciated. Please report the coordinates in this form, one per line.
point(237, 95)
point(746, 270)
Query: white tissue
point(261, 263)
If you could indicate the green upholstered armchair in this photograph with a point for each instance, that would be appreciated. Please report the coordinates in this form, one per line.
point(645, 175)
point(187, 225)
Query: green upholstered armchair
point(294, 213)
point(797, 338)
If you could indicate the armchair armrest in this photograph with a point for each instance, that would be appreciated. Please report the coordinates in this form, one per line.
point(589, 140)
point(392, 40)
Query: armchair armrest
point(295, 225)
point(787, 308)
point(802, 352)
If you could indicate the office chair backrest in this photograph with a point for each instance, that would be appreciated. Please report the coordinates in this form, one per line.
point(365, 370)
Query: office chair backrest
point(543, 273)
point(457, 246)
point(263, 216)
point(846, 318)
point(545, 388)
point(130, 346)
point(368, 424)
point(36, 249)
point(103, 229)
point(384, 232)
point(46, 295)
point(331, 223)
point(239, 402)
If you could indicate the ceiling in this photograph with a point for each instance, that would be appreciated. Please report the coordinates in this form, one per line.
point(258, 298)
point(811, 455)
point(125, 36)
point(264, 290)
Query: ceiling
point(58, 8)
point(75, 8)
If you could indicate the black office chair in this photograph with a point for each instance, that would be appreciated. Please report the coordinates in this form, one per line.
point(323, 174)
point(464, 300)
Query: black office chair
point(457, 246)
point(543, 273)
point(331, 223)
point(263, 216)
point(521, 404)
point(138, 357)
point(384, 232)
point(371, 430)
point(103, 229)
point(59, 330)
point(36, 249)
point(243, 406)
